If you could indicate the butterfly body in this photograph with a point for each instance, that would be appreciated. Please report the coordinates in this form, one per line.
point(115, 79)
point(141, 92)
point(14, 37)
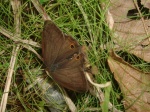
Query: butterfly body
point(63, 58)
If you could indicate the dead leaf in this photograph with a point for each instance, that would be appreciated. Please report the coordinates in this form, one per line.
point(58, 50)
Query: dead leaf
point(142, 52)
point(146, 3)
point(134, 84)
point(130, 28)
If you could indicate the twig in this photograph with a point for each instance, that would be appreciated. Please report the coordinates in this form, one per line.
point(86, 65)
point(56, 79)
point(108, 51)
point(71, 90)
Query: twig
point(136, 5)
point(26, 43)
point(143, 21)
point(8, 81)
point(15, 5)
point(18, 39)
point(32, 50)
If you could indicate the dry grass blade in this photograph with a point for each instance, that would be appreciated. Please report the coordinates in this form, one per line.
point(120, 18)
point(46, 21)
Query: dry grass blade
point(8, 81)
point(31, 49)
point(110, 20)
point(15, 5)
point(69, 102)
point(18, 39)
point(40, 10)
point(144, 24)
point(26, 43)
point(135, 3)
point(95, 84)
point(108, 16)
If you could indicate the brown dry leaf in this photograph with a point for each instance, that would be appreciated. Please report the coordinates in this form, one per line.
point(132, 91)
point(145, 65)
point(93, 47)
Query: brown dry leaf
point(142, 52)
point(146, 3)
point(130, 32)
point(134, 84)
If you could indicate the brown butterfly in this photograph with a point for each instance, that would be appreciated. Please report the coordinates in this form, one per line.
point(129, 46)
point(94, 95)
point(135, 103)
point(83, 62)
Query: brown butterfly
point(63, 58)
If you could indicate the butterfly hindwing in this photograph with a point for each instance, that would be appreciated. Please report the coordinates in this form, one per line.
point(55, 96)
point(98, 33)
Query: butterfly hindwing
point(71, 74)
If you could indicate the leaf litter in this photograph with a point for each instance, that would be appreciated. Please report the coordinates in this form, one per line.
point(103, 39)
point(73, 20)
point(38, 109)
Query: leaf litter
point(131, 27)
point(134, 84)
point(132, 33)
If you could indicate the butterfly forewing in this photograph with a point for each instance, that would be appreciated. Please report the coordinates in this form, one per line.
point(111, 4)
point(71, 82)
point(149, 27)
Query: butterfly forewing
point(55, 44)
point(52, 41)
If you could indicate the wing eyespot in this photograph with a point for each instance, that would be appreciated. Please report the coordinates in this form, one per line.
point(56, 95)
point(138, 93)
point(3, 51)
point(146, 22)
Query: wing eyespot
point(72, 46)
point(77, 57)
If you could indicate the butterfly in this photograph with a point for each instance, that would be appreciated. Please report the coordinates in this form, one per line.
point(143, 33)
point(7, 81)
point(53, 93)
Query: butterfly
point(63, 58)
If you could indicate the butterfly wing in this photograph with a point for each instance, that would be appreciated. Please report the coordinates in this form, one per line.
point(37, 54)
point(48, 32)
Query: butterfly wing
point(55, 45)
point(51, 37)
point(70, 74)
point(59, 57)
point(69, 48)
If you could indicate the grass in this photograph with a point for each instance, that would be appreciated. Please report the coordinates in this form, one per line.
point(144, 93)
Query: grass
point(85, 22)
